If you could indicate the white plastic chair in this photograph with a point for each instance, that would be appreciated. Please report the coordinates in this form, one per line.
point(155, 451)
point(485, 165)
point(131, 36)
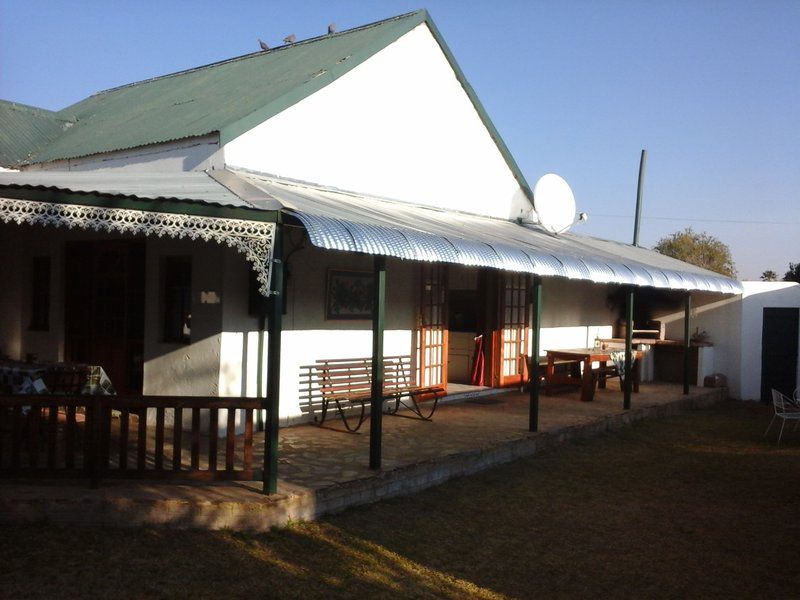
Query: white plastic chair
point(785, 409)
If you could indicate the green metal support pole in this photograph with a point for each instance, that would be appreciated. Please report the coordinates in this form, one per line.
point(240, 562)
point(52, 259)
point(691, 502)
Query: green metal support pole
point(378, 321)
point(628, 383)
point(262, 325)
point(272, 401)
point(536, 328)
point(687, 308)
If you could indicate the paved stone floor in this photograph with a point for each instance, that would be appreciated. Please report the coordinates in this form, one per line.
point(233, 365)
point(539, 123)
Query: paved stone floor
point(326, 469)
point(315, 457)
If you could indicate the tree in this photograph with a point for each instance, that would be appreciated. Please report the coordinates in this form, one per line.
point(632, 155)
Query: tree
point(701, 249)
point(793, 274)
point(769, 276)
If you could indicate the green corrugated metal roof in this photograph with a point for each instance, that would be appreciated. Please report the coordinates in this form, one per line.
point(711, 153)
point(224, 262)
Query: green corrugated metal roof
point(24, 129)
point(233, 96)
point(229, 97)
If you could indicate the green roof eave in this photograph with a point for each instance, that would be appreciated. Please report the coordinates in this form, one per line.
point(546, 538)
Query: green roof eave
point(159, 205)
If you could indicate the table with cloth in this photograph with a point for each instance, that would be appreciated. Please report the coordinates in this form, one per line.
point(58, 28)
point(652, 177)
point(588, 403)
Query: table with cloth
point(54, 378)
point(22, 378)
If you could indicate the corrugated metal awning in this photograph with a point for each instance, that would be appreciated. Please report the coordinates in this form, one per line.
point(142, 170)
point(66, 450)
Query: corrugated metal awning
point(338, 220)
point(189, 185)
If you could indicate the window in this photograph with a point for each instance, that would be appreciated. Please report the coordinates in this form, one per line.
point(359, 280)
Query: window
point(176, 285)
point(40, 294)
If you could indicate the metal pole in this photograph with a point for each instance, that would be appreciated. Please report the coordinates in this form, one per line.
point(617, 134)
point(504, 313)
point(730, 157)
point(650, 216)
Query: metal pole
point(378, 320)
point(687, 307)
point(262, 325)
point(626, 403)
point(639, 195)
point(533, 417)
point(272, 401)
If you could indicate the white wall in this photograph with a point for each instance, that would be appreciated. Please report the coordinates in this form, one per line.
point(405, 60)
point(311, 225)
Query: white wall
point(757, 296)
point(735, 327)
point(399, 125)
point(169, 369)
point(191, 154)
point(307, 335)
point(192, 369)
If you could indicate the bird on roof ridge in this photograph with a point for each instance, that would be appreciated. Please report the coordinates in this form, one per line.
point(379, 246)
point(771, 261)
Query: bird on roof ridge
point(331, 28)
point(263, 45)
point(290, 39)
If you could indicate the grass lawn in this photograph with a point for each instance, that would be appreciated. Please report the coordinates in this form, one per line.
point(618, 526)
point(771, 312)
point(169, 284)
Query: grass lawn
point(696, 506)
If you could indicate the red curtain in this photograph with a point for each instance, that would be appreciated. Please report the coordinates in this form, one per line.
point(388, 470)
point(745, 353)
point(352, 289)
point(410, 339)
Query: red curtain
point(477, 363)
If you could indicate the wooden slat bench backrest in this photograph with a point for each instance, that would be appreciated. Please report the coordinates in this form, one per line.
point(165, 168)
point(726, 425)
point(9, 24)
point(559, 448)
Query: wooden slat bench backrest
point(351, 378)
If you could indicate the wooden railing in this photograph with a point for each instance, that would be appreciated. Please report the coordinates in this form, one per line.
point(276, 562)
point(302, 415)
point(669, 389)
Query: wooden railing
point(110, 437)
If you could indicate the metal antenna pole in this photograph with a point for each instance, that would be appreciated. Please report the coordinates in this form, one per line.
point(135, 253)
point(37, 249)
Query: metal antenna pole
point(639, 193)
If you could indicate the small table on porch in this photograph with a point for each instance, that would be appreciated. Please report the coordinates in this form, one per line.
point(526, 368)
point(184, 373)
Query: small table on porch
point(22, 378)
point(586, 356)
point(54, 378)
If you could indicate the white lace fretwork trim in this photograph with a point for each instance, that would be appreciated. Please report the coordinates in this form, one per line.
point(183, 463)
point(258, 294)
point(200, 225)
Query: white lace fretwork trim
point(254, 239)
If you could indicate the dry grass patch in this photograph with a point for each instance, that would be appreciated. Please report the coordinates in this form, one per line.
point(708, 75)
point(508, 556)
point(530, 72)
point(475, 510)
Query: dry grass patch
point(692, 506)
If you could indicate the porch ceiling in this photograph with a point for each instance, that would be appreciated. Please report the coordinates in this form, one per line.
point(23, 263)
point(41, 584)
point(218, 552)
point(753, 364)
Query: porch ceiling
point(340, 220)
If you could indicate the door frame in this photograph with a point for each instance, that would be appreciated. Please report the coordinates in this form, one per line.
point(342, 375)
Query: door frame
point(131, 381)
point(793, 314)
point(511, 303)
point(432, 319)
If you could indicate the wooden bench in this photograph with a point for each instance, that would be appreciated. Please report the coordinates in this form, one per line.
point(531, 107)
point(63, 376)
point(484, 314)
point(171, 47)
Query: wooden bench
point(564, 366)
point(346, 383)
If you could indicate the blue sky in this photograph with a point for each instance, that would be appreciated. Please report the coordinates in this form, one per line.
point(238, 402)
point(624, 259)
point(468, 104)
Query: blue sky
point(710, 88)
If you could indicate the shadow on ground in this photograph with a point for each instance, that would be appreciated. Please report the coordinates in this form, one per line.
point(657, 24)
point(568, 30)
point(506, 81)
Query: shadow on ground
point(683, 507)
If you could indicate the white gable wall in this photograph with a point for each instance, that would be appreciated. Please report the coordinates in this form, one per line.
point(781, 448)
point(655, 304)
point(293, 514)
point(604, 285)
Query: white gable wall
point(399, 125)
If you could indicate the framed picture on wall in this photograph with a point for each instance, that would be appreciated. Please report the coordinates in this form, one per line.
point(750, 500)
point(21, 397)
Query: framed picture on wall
point(348, 295)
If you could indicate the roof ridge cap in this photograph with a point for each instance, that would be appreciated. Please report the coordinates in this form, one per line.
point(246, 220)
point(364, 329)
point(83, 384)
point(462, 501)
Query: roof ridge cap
point(253, 54)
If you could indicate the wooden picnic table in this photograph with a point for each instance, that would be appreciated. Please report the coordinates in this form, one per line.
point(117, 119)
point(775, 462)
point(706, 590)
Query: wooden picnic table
point(586, 381)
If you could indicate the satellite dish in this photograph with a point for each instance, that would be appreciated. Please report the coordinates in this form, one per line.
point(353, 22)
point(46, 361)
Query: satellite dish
point(554, 203)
